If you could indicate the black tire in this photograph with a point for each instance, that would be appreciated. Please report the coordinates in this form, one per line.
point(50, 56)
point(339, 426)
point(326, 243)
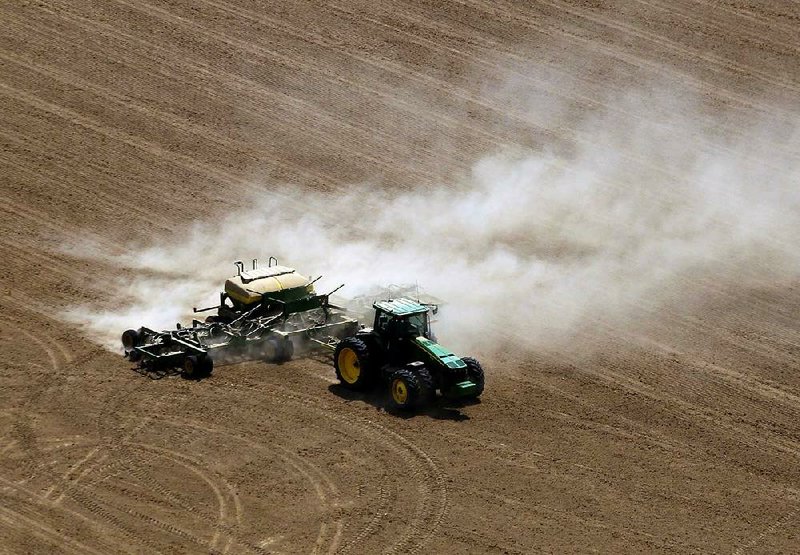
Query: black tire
point(410, 389)
point(287, 350)
point(196, 367)
point(277, 349)
point(130, 339)
point(353, 364)
point(272, 349)
point(427, 388)
point(191, 367)
point(206, 366)
point(475, 374)
point(134, 356)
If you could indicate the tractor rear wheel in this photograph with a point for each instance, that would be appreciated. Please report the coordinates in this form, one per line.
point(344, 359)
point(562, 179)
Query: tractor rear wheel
point(411, 389)
point(353, 365)
point(475, 374)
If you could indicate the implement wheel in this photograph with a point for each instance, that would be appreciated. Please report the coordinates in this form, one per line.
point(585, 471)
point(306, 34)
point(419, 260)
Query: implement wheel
point(352, 363)
point(130, 338)
point(196, 367)
point(475, 375)
point(277, 349)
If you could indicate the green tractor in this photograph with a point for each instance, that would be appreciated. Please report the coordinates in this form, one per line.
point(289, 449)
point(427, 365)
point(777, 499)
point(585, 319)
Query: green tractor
point(400, 351)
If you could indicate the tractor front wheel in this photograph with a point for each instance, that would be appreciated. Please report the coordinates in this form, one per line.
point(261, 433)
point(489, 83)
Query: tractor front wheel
point(351, 359)
point(410, 389)
point(475, 374)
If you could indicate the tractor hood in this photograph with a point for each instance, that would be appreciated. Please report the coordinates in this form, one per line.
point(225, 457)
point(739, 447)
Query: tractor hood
point(441, 354)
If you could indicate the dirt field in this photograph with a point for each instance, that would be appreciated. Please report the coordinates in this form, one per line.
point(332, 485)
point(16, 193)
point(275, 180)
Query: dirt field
point(128, 120)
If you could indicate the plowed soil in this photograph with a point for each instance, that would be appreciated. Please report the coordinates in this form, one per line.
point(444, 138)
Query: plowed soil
point(129, 120)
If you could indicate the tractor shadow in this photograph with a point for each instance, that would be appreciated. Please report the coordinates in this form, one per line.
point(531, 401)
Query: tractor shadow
point(439, 409)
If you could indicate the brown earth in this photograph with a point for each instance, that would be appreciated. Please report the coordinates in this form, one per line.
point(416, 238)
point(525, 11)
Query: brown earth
point(130, 120)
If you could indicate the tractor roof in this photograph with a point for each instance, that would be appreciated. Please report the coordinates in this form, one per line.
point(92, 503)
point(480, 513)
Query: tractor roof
point(401, 307)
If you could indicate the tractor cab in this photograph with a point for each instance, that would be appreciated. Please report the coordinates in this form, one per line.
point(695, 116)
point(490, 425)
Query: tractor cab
point(401, 318)
point(399, 325)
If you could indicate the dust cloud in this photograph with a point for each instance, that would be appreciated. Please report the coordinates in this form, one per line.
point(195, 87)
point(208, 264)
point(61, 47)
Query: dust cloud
point(654, 195)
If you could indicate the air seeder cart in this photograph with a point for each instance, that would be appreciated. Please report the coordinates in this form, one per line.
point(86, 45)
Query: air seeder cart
point(264, 313)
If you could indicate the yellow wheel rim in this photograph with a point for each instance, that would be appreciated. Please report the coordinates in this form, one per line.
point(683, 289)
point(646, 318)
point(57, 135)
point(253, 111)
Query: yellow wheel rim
point(349, 367)
point(399, 391)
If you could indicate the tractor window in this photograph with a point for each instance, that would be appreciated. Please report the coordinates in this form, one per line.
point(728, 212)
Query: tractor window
point(381, 320)
point(418, 324)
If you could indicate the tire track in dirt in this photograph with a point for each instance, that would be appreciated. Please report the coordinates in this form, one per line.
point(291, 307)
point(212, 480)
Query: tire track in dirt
point(432, 490)
point(716, 419)
point(361, 136)
point(523, 119)
point(61, 180)
point(98, 472)
point(86, 466)
point(39, 258)
point(30, 499)
point(322, 483)
point(148, 484)
point(22, 428)
point(330, 531)
point(256, 94)
point(417, 21)
point(85, 493)
point(747, 13)
point(386, 65)
point(251, 94)
point(762, 39)
point(192, 164)
point(671, 45)
point(504, 9)
point(183, 431)
point(31, 523)
point(213, 480)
